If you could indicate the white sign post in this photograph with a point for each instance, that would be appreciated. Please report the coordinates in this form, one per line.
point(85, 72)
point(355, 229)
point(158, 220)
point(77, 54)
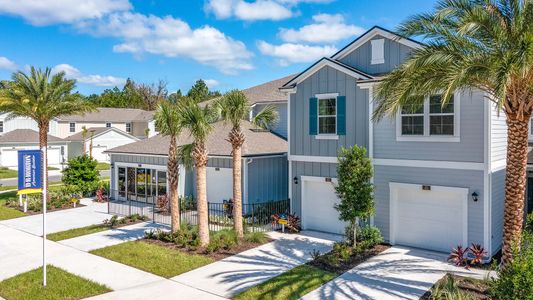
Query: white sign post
point(45, 197)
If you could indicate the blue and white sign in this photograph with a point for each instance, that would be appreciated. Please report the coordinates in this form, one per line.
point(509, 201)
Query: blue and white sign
point(29, 173)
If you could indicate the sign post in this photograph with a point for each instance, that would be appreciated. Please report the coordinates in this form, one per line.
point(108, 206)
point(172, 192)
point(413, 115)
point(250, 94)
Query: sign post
point(30, 181)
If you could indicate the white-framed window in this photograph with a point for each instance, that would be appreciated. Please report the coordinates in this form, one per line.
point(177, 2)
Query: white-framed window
point(128, 127)
point(1, 126)
point(108, 125)
point(432, 122)
point(72, 127)
point(327, 114)
point(378, 51)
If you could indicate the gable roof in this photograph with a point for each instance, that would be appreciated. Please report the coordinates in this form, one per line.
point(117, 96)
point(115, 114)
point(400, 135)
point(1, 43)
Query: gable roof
point(369, 34)
point(322, 63)
point(258, 142)
point(268, 91)
point(97, 131)
point(110, 114)
point(25, 136)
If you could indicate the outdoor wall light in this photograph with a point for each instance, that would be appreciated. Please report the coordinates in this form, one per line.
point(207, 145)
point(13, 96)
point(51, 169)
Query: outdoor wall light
point(295, 180)
point(475, 196)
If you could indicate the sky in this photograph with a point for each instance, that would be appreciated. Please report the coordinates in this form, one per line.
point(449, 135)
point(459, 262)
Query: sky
point(228, 43)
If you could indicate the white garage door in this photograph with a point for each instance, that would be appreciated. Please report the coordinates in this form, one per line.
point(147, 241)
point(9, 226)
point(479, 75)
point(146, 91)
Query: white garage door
point(9, 158)
point(318, 211)
point(219, 184)
point(99, 155)
point(54, 156)
point(432, 219)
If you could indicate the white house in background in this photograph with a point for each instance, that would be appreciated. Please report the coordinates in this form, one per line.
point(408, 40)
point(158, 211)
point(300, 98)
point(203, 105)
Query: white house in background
point(27, 139)
point(103, 138)
point(131, 120)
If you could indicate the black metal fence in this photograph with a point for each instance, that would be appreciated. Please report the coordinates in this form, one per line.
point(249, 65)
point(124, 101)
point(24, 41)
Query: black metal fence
point(256, 216)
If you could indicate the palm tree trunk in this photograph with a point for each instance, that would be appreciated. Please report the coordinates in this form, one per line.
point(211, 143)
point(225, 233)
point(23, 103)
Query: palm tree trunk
point(236, 138)
point(515, 184)
point(43, 144)
point(200, 157)
point(173, 174)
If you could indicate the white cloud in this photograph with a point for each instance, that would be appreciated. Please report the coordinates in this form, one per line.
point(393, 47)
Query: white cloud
point(6, 64)
point(326, 29)
point(255, 10)
point(211, 83)
point(295, 53)
point(97, 80)
point(45, 12)
point(171, 37)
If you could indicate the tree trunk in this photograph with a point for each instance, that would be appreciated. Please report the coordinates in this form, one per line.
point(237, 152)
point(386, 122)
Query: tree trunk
point(200, 157)
point(236, 138)
point(173, 174)
point(515, 184)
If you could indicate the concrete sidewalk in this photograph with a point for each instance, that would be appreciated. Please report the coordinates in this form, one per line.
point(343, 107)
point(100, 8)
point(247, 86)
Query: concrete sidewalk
point(92, 213)
point(237, 273)
point(111, 237)
point(397, 273)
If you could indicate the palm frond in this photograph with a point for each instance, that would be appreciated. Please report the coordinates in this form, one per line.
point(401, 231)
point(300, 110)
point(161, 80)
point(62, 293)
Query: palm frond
point(266, 118)
point(234, 107)
point(185, 156)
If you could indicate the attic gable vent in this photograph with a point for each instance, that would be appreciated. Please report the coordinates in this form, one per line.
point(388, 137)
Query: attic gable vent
point(378, 51)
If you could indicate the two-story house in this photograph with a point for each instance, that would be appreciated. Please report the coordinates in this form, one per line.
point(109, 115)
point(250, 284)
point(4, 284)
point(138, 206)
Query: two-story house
point(438, 172)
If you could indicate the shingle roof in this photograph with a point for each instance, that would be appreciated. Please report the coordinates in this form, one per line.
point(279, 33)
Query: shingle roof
point(24, 136)
point(258, 142)
point(96, 132)
point(267, 92)
point(108, 114)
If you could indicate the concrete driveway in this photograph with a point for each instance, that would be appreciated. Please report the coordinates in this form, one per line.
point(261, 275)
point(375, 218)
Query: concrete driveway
point(397, 273)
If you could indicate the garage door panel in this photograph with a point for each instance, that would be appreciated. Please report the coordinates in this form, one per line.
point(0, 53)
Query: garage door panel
point(318, 208)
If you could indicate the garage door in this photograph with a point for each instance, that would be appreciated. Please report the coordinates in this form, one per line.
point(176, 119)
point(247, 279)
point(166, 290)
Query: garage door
point(219, 184)
point(318, 211)
point(54, 156)
point(428, 217)
point(9, 158)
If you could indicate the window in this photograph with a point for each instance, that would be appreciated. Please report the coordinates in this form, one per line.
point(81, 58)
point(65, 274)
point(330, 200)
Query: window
point(1, 126)
point(327, 116)
point(378, 51)
point(430, 121)
point(128, 127)
point(72, 127)
point(108, 125)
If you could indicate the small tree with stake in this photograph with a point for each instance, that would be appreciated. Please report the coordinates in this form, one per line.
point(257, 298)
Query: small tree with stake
point(354, 188)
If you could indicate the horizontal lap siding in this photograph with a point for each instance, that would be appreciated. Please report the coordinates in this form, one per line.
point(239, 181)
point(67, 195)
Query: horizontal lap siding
point(328, 80)
point(473, 180)
point(469, 149)
point(267, 179)
point(498, 135)
point(497, 201)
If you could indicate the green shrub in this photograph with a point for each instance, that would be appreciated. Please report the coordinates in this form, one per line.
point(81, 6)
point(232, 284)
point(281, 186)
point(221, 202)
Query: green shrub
point(81, 173)
point(227, 238)
point(369, 236)
point(515, 281)
point(342, 250)
point(529, 223)
point(256, 237)
point(447, 290)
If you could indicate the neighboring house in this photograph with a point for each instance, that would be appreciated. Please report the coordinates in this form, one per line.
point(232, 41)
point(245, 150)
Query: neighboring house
point(131, 120)
point(438, 172)
point(27, 139)
point(10, 124)
point(138, 170)
point(103, 138)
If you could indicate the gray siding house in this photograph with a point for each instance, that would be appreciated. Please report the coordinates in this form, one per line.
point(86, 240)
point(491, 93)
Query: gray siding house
point(139, 170)
point(439, 172)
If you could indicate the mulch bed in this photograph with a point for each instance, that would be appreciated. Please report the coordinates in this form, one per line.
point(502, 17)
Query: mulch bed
point(346, 265)
point(475, 289)
point(217, 255)
point(31, 212)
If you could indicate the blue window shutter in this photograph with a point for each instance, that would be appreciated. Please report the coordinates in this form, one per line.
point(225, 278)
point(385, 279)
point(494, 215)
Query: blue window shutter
point(313, 116)
point(341, 115)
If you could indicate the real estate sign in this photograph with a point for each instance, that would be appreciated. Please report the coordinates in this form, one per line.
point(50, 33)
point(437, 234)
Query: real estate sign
point(29, 172)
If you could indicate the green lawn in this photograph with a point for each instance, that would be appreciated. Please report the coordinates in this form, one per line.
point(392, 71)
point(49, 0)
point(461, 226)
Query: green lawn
point(292, 284)
point(102, 166)
point(60, 285)
point(159, 260)
point(52, 168)
point(7, 173)
point(68, 234)
point(7, 212)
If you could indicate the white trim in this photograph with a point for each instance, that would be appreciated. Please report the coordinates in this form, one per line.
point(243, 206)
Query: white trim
point(319, 65)
point(291, 206)
point(367, 85)
point(497, 165)
point(377, 51)
point(326, 137)
point(307, 158)
point(327, 96)
point(435, 164)
point(136, 154)
point(487, 178)
point(369, 35)
point(370, 123)
point(427, 137)
point(145, 166)
point(393, 203)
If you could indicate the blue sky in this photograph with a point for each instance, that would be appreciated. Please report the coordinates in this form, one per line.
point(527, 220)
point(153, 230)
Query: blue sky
point(228, 43)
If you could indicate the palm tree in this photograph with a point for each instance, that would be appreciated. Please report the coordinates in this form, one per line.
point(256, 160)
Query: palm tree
point(168, 123)
point(474, 44)
point(42, 97)
point(84, 133)
point(234, 108)
point(199, 122)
